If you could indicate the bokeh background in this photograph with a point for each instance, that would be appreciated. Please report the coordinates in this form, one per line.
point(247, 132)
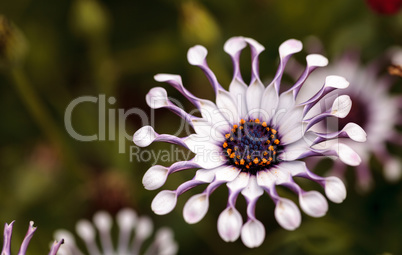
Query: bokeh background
point(57, 51)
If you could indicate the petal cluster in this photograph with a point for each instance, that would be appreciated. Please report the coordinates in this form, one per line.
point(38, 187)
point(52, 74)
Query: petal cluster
point(257, 103)
point(132, 233)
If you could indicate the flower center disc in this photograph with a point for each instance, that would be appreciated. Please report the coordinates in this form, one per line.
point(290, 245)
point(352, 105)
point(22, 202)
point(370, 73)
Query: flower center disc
point(252, 146)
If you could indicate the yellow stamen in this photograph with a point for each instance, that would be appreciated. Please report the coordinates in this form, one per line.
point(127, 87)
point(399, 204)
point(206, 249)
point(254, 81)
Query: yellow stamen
point(242, 162)
point(227, 136)
point(271, 148)
point(264, 124)
point(242, 121)
point(273, 131)
point(229, 151)
point(235, 126)
point(232, 155)
point(225, 144)
point(257, 121)
point(276, 141)
point(255, 161)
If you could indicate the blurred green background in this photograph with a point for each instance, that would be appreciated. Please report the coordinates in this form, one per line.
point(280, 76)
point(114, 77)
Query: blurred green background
point(57, 51)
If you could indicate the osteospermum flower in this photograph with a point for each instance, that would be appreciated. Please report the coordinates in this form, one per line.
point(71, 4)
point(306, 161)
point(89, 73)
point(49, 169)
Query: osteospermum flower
point(132, 233)
point(8, 231)
point(374, 109)
point(251, 139)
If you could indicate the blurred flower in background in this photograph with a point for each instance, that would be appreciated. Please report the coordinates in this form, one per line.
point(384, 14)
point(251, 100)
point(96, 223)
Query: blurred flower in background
point(374, 108)
point(251, 140)
point(133, 231)
point(8, 231)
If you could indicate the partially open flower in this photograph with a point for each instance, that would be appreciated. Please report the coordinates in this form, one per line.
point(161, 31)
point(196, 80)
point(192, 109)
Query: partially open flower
point(251, 139)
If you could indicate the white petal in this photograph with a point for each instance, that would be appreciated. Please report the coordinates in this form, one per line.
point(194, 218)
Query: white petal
point(126, 219)
point(341, 106)
point(195, 208)
point(196, 55)
point(253, 190)
point(336, 81)
point(144, 136)
point(280, 174)
point(227, 173)
point(210, 112)
point(355, 132)
point(205, 175)
point(240, 182)
point(265, 179)
point(286, 103)
point(229, 224)
point(287, 214)
point(234, 45)
point(253, 95)
point(157, 98)
point(238, 91)
point(103, 221)
point(316, 60)
point(335, 189)
point(289, 47)
point(155, 177)
point(161, 77)
point(164, 202)
point(347, 154)
point(253, 233)
point(201, 144)
point(209, 159)
point(269, 103)
point(85, 230)
point(144, 228)
point(68, 237)
point(253, 43)
point(227, 106)
point(313, 203)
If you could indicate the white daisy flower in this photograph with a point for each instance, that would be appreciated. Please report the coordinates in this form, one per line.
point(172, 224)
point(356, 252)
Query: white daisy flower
point(374, 109)
point(251, 139)
point(8, 231)
point(133, 231)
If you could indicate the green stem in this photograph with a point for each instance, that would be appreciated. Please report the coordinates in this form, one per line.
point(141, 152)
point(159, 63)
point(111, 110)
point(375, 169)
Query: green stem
point(42, 117)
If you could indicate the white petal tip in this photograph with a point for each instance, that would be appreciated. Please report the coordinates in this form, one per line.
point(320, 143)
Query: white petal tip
point(347, 155)
point(196, 55)
point(162, 77)
point(355, 132)
point(155, 177)
point(126, 218)
point(103, 221)
point(144, 228)
point(195, 208)
point(336, 81)
point(229, 224)
point(85, 230)
point(253, 233)
point(234, 45)
point(289, 47)
point(164, 202)
point(341, 106)
point(313, 203)
point(316, 60)
point(157, 98)
point(287, 214)
point(144, 136)
point(335, 189)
